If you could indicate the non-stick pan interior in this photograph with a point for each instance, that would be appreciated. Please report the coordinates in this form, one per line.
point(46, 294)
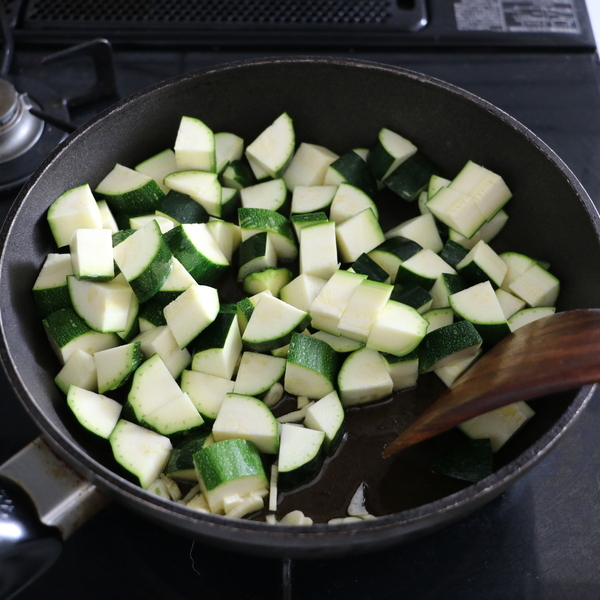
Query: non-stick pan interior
point(341, 105)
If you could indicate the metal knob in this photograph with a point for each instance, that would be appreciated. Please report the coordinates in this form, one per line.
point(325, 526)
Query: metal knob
point(19, 129)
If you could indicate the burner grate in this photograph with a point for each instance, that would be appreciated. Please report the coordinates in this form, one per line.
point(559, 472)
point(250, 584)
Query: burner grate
point(280, 16)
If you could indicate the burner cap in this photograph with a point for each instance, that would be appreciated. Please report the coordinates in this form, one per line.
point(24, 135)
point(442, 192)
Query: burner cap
point(19, 129)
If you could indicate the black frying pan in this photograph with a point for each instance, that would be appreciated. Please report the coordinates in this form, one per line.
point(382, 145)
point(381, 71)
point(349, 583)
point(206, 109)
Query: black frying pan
point(341, 104)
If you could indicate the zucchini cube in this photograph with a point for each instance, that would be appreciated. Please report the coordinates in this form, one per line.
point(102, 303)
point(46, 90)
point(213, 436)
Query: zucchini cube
point(364, 378)
point(398, 329)
point(192, 312)
point(74, 209)
point(92, 254)
point(308, 166)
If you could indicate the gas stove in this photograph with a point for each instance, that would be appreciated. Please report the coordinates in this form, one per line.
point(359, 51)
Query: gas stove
point(535, 59)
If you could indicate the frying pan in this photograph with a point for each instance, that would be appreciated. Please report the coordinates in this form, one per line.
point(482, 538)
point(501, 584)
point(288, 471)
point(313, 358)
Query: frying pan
point(340, 104)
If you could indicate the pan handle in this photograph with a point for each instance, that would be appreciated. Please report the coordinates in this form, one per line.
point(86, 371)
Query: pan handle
point(42, 502)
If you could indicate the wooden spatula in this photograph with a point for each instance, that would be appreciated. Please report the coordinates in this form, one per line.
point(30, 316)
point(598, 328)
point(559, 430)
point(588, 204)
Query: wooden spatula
point(557, 353)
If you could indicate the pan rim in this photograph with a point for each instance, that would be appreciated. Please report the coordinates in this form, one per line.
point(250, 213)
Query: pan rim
point(475, 495)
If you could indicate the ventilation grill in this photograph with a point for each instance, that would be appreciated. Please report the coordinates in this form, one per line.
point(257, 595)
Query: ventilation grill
point(243, 15)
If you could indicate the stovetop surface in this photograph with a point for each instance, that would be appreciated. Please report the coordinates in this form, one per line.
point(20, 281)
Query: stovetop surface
point(537, 541)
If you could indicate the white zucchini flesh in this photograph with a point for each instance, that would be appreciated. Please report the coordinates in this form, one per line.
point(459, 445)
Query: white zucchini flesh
point(226, 234)
point(195, 146)
point(528, 315)
point(326, 415)
point(97, 413)
point(152, 387)
point(308, 166)
point(79, 370)
point(359, 234)
point(161, 341)
point(108, 219)
point(270, 195)
point(272, 322)
point(364, 307)
point(349, 201)
point(114, 365)
point(298, 446)
point(517, 265)
point(54, 271)
point(498, 425)
point(450, 372)
point(312, 198)
point(122, 180)
point(228, 147)
point(192, 312)
point(201, 186)
point(488, 190)
point(536, 286)
point(179, 414)
point(459, 211)
point(510, 304)
point(245, 417)
point(164, 223)
point(205, 244)
point(74, 209)
point(487, 260)
point(318, 250)
point(438, 317)
point(274, 148)
point(158, 167)
point(421, 229)
point(302, 291)
point(478, 304)
point(259, 172)
point(207, 392)
point(229, 470)
point(427, 264)
point(397, 147)
point(487, 232)
point(364, 378)
point(404, 371)
point(306, 220)
point(179, 278)
point(436, 183)
point(220, 357)
point(92, 254)
point(328, 307)
point(257, 373)
point(135, 254)
point(398, 329)
point(339, 343)
point(104, 305)
point(142, 452)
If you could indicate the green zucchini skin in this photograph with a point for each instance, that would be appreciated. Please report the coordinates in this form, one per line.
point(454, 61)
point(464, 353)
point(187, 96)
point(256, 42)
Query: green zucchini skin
point(453, 252)
point(182, 208)
point(365, 265)
point(354, 170)
point(412, 295)
point(471, 461)
point(181, 462)
point(445, 341)
point(215, 466)
point(199, 267)
point(150, 281)
point(411, 177)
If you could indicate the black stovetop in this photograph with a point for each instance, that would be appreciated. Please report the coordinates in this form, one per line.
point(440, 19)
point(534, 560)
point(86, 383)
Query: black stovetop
point(537, 541)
